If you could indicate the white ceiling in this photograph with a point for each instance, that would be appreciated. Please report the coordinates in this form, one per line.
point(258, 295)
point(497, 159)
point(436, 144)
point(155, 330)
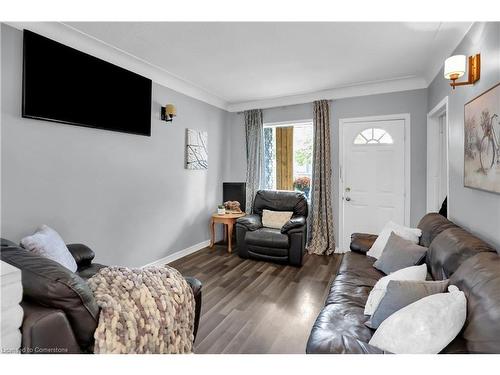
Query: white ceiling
point(258, 64)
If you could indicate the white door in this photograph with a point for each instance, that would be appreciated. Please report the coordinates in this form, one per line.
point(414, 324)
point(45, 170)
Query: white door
point(437, 156)
point(372, 176)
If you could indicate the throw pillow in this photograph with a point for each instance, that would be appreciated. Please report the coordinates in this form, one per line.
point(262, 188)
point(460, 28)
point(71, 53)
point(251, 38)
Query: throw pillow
point(401, 293)
point(417, 273)
point(410, 234)
point(426, 326)
point(46, 242)
point(399, 253)
point(275, 219)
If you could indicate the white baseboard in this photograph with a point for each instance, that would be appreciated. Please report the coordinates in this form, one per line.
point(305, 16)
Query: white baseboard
point(179, 254)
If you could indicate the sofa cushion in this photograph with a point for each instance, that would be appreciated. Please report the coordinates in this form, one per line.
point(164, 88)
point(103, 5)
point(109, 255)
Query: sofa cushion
point(355, 279)
point(450, 249)
point(267, 237)
point(479, 278)
point(53, 285)
point(337, 325)
point(431, 225)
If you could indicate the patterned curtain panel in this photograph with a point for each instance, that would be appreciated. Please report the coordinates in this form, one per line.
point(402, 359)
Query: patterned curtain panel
point(322, 240)
point(255, 155)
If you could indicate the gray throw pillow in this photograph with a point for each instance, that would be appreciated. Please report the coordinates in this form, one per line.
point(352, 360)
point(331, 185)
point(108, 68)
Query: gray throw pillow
point(399, 253)
point(401, 293)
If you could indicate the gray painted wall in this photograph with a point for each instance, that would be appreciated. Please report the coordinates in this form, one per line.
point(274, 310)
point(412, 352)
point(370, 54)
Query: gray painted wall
point(128, 197)
point(413, 102)
point(476, 210)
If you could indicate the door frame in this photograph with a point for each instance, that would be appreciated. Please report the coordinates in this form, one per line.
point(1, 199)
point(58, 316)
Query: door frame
point(432, 126)
point(407, 164)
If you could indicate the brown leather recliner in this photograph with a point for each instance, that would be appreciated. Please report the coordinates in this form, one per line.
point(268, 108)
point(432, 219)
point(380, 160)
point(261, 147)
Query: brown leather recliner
point(454, 253)
point(285, 245)
point(60, 312)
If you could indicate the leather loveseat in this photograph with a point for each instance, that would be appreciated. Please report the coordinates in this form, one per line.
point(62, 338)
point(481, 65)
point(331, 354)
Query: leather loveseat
point(286, 245)
point(60, 312)
point(470, 264)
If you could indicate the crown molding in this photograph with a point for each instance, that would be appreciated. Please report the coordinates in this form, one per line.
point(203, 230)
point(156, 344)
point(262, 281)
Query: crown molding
point(363, 89)
point(74, 38)
point(67, 35)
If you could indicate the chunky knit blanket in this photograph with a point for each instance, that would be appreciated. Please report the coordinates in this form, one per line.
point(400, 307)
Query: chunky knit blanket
point(148, 310)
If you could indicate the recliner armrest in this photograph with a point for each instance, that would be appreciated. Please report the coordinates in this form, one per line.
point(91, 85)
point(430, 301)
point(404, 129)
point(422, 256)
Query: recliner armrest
point(250, 222)
point(294, 222)
point(83, 254)
point(362, 242)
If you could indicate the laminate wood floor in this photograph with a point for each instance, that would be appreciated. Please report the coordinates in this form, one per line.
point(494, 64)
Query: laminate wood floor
point(257, 307)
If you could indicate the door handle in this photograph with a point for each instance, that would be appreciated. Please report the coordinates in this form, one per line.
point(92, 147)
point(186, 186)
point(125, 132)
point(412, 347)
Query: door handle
point(347, 199)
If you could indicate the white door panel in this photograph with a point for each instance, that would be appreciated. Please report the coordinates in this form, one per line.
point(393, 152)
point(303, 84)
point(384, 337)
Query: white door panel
point(373, 163)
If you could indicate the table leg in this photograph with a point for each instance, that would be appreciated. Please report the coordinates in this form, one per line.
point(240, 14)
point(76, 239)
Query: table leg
point(229, 236)
point(212, 232)
point(225, 233)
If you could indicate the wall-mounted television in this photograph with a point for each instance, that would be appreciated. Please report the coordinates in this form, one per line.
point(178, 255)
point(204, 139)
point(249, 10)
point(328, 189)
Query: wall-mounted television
point(62, 84)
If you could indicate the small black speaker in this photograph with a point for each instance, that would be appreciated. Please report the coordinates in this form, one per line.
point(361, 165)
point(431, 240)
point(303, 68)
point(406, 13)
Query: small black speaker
point(235, 191)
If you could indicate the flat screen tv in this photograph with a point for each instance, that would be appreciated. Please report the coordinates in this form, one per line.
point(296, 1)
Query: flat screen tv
point(62, 84)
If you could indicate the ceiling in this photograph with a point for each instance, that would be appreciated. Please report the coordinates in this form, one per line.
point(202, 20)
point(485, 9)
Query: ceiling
point(258, 64)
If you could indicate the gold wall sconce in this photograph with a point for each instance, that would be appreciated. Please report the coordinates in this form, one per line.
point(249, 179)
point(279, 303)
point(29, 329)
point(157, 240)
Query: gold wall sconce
point(456, 66)
point(168, 112)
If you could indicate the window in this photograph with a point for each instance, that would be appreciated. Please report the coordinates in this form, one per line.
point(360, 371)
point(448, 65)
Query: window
point(288, 153)
point(373, 136)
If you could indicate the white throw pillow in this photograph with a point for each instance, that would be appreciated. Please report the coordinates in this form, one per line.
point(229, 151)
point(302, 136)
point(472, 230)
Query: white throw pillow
point(410, 234)
point(275, 219)
point(426, 326)
point(413, 273)
point(46, 242)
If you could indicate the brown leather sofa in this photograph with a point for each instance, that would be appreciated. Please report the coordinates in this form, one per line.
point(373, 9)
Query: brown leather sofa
point(60, 312)
point(454, 253)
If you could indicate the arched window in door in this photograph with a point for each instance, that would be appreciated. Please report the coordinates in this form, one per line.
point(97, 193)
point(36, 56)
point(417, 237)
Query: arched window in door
point(373, 136)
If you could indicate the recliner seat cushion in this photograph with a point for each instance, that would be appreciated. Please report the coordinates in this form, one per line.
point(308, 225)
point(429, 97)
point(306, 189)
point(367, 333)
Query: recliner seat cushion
point(267, 237)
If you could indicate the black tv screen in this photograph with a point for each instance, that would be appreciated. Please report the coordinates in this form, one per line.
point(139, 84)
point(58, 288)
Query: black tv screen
point(62, 84)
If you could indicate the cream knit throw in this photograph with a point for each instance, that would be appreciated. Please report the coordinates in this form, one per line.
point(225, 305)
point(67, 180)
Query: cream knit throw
point(148, 310)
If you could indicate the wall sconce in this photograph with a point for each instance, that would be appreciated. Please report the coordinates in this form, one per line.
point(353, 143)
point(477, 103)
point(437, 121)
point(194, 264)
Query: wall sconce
point(455, 67)
point(168, 112)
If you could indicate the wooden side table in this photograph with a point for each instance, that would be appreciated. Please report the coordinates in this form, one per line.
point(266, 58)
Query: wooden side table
point(227, 219)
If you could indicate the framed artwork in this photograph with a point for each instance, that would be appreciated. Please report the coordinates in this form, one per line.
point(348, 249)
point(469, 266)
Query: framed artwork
point(196, 149)
point(482, 141)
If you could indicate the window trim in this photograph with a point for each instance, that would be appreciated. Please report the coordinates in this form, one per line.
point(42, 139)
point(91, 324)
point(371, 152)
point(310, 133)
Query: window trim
point(306, 122)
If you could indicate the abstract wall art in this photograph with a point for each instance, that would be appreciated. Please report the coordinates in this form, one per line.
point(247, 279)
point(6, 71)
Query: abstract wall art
point(196, 149)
